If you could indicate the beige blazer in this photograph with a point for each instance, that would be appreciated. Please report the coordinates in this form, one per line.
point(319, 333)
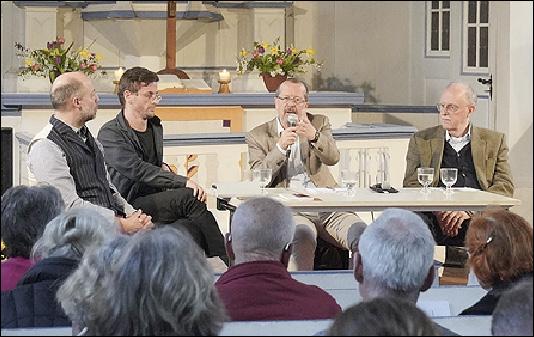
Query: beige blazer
point(488, 148)
point(263, 152)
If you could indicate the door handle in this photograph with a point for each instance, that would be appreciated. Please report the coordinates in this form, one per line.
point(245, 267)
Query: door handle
point(489, 82)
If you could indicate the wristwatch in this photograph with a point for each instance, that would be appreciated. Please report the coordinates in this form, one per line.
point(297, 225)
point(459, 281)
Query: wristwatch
point(316, 138)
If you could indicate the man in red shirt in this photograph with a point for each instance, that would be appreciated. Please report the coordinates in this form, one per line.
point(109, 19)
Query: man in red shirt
point(259, 287)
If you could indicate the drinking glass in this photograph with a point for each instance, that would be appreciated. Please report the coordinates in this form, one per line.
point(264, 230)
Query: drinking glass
point(425, 175)
point(448, 177)
point(349, 179)
point(263, 176)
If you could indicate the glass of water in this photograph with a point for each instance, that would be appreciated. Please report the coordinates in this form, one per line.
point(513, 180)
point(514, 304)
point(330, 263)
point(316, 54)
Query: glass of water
point(349, 179)
point(263, 176)
point(448, 177)
point(425, 175)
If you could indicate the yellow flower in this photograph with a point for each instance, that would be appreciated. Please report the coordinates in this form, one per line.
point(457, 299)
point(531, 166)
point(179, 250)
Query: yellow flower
point(310, 51)
point(84, 53)
point(243, 53)
point(275, 50)
point(28, 62)
point(265, 45)
point(98, 57)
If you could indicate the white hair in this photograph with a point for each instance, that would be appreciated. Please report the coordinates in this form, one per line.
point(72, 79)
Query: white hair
point(260, 229)
point(397, 251)
point(469, 93)
point(71, 233)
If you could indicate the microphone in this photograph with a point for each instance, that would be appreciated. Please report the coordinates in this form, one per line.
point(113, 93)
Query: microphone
point(292, 120)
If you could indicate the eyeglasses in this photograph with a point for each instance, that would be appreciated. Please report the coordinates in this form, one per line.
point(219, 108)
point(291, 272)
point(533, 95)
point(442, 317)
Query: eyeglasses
point(294, 99)
point(482, 247)
point(450, 108)
point(155, 96)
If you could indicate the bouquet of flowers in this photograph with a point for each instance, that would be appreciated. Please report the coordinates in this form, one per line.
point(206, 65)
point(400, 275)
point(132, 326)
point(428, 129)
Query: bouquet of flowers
point(56, 60)
point(273, 60)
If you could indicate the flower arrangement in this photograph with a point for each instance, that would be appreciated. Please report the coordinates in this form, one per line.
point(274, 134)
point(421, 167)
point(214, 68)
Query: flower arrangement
point(56, 60)
point(273, 60)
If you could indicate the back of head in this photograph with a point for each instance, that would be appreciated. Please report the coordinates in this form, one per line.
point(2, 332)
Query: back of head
point(25, 213)
point(161, 285)
point(261, 228)
point(134, 79)
point(66, 86)
point(383, 317)
point(77, 293)
point(71, 233)
point(513, 314)
point(397, 250)
point(500, 247)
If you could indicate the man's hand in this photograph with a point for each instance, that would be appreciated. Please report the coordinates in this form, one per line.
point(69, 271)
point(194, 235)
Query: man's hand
point(451, 221)
point(198, 192)
point(288, 137)
point(306, 129)
point(135, 222)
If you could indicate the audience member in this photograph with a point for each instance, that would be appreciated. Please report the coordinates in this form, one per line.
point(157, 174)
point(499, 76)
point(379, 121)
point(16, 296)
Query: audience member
point(383, 317)
point(513, 314)
point(58, 251)
point(480, 155)
point(65, 155)
point(25, 213)
point(160, 285)
point(395, 258)
point(258, 287)
point(499, 243)
point(133, 151)
point(302, 153)
point(77, 293)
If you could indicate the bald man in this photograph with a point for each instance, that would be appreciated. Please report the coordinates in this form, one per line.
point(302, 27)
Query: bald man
point(65, 155)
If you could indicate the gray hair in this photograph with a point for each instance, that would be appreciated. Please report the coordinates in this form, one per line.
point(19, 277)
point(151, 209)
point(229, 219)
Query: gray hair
point(388, 316)
point(77, 293)
point(469, 93)
point(71, 233)
point(295, 81)
point(61, 93)
point(397, 250)
point(513, 314)
point(261, 228)
point(25, 212)
point(161, 285)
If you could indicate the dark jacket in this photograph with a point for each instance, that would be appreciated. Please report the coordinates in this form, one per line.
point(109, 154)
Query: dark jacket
point(123, 154)
point(487, 304)
point(33, 302)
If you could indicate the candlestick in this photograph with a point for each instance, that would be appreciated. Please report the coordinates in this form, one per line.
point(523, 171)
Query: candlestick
point(116, 90)
point(224, 88)
point(224, 75)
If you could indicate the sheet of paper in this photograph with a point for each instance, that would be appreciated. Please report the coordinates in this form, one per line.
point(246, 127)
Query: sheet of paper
point(435, 308)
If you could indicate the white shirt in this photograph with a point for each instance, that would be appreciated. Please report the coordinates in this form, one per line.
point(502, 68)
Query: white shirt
point(458, 143)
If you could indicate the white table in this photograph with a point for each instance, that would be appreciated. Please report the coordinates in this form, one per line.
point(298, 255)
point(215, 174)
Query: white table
point(230, 195)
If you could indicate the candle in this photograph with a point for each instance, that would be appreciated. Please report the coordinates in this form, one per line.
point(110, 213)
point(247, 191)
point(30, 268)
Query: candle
point(224, 76)
point(118, 74)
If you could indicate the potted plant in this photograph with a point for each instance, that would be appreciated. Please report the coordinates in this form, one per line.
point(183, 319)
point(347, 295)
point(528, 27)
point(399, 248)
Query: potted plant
point(274, 63)
point(56, 60)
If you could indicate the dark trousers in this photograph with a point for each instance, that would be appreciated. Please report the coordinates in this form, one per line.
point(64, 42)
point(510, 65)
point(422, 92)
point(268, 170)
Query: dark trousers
point(441, 239)
point(180, 209)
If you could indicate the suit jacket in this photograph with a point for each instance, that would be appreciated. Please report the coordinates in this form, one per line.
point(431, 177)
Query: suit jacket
point(263, 152)
point(488, 148)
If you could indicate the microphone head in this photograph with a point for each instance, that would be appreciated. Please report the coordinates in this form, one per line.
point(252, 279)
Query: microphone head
point(292, 119)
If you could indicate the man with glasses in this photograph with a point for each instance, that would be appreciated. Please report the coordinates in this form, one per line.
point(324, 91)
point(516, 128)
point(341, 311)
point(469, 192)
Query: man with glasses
point(299, 150)
point(480, 155)
point(133, 150)
point(65, 155)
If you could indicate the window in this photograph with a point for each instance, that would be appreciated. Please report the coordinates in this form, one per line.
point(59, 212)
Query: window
point(475, 36)
point(438, 23)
